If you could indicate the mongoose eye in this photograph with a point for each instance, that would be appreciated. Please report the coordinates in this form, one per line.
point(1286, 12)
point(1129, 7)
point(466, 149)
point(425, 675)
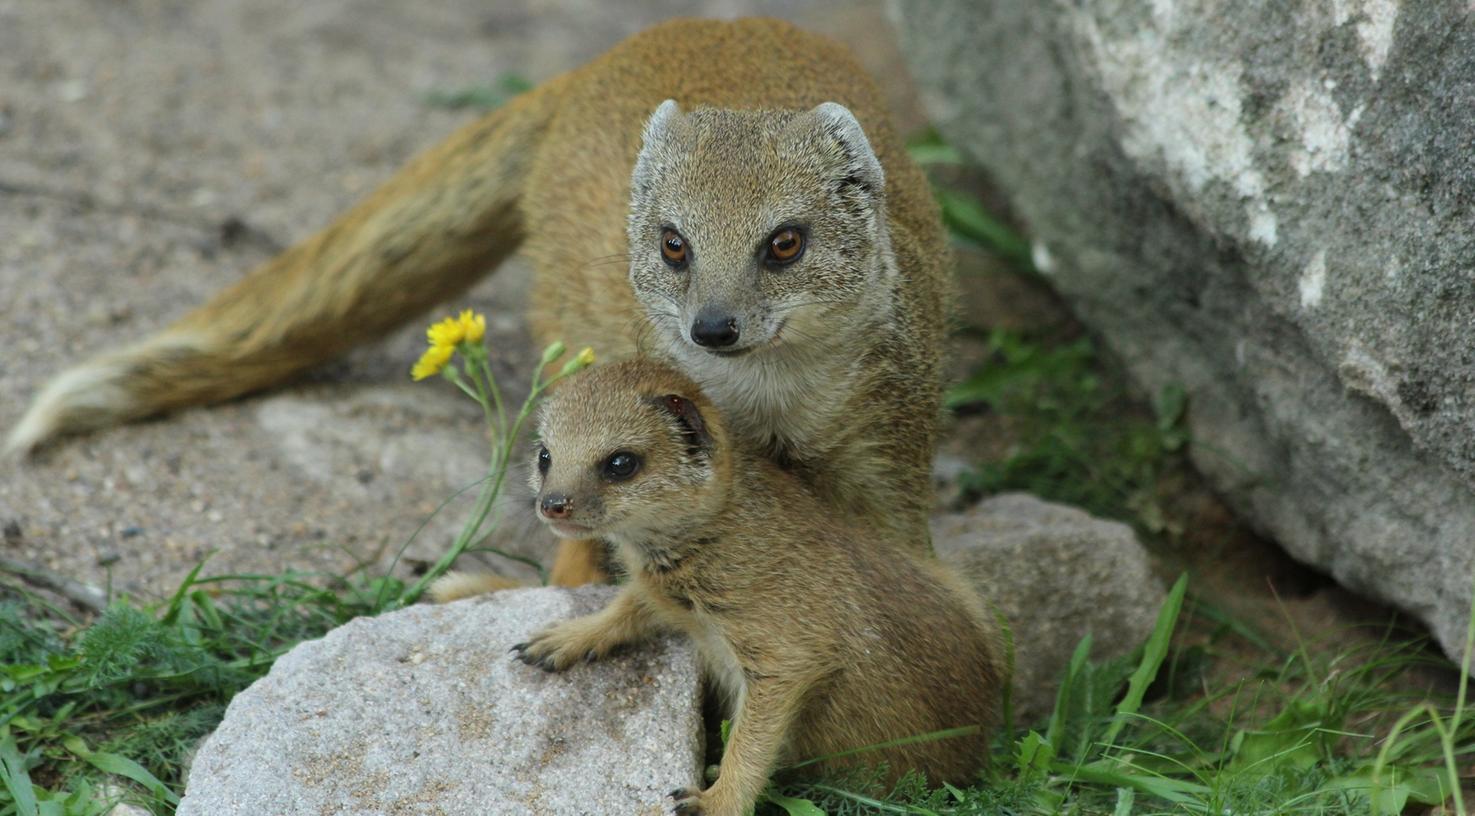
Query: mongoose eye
point(784, 246)
point(544, 460)
point(673, 249)
point(620, 466)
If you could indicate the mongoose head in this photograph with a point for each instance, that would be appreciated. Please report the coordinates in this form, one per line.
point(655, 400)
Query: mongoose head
point(757, 232)
point(628, 451)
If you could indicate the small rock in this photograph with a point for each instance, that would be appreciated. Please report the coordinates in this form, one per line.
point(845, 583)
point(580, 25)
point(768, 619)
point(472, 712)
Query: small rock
point(130, 532)
point(12, 532)
point(116, 794)
point(423, 710)
point(1056, 573)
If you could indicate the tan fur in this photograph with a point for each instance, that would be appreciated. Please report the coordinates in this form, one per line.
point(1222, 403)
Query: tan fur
point(453, 586)
point(550, 174)
point(823, 635)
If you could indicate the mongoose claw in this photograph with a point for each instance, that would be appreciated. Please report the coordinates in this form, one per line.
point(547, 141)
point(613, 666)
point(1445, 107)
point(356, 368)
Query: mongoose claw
point(554, 649)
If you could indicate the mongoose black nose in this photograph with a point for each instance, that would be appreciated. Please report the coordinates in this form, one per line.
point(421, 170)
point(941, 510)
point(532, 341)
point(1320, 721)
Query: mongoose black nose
point(714, 329)
point(556, 505)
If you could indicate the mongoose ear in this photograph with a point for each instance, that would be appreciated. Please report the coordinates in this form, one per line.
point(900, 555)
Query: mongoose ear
point(660, 121)
point(862, 167)
point(693, 426)
point(657, 131)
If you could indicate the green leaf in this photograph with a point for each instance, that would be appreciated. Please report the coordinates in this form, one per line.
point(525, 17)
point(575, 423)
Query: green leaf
point(13, 774)
point(1152, 659)
point(1291, 738)
point(176, 601)
point(935, 153)
point(1426, 786)
point(1034, 755)
point(795, 807)
point(966, 217)
point(1103, 772)
point(1055, 731)
point(122, 766)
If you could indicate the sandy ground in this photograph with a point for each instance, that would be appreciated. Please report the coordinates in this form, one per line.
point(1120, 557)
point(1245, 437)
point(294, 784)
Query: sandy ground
point(151, 152)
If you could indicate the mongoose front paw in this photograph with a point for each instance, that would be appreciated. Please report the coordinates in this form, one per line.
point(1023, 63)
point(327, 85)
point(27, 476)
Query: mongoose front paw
point(557, 648)
point(688, 802)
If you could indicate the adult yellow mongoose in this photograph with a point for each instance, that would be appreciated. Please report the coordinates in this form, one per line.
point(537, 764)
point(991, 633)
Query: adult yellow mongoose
point(773, 241)
point(819, 632)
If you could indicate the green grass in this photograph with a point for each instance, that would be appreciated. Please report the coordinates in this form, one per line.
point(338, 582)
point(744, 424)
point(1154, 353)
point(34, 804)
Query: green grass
point(1076, 434)
point(118, 704)
point(1306, 731)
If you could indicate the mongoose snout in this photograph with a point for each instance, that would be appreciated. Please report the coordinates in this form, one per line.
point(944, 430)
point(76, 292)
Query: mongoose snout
point(714, 328)
point(556, 506)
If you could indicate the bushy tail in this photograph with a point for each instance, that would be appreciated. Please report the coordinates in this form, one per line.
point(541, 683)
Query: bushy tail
point(453, 586)
point(428, 233)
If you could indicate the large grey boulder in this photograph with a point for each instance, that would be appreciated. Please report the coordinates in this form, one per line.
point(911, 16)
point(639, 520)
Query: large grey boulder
point(424, 711)
point(1272, 204)
point(1056, 574)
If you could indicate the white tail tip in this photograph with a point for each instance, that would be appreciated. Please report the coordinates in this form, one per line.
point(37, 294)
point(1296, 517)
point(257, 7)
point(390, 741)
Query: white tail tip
point(87, 396)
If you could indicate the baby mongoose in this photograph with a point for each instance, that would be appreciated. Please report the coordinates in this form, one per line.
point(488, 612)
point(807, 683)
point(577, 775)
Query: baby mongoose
point(819, 635)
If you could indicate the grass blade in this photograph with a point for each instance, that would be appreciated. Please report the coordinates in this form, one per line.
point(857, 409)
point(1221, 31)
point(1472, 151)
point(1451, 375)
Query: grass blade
point(1153, 655)
point(122, 766)
point(13, 774)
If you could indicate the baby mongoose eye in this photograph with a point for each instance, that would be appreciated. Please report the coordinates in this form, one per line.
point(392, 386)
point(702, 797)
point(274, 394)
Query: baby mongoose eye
point(620, 466)
point(673, 249)
point(784, 246)
point(544, 460)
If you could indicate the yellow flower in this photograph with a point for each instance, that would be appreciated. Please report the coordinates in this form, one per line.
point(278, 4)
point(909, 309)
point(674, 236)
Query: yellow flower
point(432, 361)
point(586, 356)
point(473, 326)
point(446, 333)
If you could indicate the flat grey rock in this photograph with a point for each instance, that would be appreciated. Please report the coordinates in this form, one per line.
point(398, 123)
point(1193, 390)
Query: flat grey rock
point(424, 711)
point(1056, 574)
point(1270, 204)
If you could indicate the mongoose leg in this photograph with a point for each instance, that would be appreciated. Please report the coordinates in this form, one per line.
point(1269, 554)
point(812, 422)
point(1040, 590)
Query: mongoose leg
point(579, 561)
point(769, 708)
point(588, 638)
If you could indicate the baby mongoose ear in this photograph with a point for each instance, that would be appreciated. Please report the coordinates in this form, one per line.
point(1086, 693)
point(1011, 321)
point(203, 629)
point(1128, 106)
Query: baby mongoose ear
point(658, 129)
point(693, 426)
point(862, 168)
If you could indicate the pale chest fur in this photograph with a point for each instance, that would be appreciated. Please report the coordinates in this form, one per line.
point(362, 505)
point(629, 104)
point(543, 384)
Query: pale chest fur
point(719, 661)
point(783, 402)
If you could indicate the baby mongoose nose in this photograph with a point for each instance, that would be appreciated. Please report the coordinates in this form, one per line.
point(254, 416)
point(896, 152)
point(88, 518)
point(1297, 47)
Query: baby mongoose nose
point(556, 505)
point(714, 329)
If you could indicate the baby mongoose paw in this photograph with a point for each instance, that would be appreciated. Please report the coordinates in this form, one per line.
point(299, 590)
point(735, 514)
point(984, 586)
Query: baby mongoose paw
point(688, 802)
point(556, 648)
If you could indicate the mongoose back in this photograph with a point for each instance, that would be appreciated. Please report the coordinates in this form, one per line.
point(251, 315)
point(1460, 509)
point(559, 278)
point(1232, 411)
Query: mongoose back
point(776, 244)
point(821, 635)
